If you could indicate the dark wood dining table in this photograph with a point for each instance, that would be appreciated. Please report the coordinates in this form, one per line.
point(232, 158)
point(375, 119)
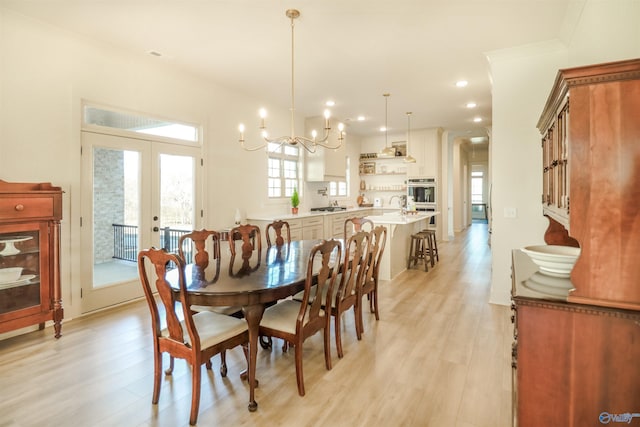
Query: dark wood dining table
point(279, 273)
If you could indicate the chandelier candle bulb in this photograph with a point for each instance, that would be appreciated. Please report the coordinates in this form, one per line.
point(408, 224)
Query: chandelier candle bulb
point(241, 129)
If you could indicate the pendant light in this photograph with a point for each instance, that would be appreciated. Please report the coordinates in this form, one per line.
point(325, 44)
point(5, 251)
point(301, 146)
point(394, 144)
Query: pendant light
point(386, 151)
point(409, 158)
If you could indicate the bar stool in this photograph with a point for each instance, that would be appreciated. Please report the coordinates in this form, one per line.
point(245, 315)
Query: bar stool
point(433, 245)
point(420, 249)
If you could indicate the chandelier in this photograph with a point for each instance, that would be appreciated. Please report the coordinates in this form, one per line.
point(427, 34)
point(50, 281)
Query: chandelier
point(310, 144)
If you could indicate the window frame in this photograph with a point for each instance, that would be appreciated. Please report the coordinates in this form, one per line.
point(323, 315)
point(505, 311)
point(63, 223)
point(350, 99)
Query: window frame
point(287, 178)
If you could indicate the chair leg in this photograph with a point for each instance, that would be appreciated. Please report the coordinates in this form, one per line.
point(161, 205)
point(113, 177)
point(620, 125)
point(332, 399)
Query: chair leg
point(195, 394)
point(299, 375)
point(223, 363)
point(170, 368)
point(338, 335)
point(208, 364)
point(375, 301)
point(357, 312)
point(327, 343)
point(157, 369)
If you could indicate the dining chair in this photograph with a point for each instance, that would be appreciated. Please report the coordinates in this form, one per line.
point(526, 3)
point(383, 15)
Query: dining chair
point(355, 224)
point(377, 242)
point(295, 321)
point(196, 338)
point(198, 243)
point(249, 235)
point(277, 228)
point(347, 293)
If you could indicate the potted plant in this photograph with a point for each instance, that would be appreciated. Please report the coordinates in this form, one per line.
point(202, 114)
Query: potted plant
point(295, 201)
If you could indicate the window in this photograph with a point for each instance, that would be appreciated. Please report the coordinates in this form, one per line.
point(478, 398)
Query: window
point(340, 188)
point(337, 188)
point(476, 186)
point(283, 170)
point(131, 122)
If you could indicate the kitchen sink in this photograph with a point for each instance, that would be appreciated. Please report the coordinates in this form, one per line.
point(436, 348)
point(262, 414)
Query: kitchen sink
point(329, 209)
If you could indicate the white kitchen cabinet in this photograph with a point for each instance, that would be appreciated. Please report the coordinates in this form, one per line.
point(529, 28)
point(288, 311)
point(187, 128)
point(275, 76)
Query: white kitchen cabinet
point(325, 164)
point(425, 147)
point(312, 227)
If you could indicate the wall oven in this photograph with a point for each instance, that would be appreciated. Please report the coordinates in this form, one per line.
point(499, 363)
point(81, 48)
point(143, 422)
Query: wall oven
point(423, 193)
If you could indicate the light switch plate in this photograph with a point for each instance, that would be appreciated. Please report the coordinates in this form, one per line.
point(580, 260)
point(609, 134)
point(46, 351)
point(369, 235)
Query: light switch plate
point(510, 212)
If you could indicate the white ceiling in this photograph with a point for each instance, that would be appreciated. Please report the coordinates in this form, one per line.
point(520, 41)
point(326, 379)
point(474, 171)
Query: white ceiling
point(351, 51)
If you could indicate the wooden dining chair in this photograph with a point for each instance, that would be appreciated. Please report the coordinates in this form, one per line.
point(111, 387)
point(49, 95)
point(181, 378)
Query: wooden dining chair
point(277, 228)
point(249, 235)
point(377, 242)
point(355, 224)
point(198, 243)
point(295, 321)
point(347, 293)
point(196, 338)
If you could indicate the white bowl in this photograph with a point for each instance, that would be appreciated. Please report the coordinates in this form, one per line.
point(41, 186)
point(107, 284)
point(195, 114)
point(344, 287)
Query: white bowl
point(553, 260)
point(10, 274)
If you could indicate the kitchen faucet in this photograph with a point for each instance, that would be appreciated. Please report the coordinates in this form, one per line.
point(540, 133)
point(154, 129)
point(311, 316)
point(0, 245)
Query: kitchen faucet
point(401, 198)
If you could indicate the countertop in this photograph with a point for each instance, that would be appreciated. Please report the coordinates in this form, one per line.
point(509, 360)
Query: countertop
point(396, 218)
point(308, 214)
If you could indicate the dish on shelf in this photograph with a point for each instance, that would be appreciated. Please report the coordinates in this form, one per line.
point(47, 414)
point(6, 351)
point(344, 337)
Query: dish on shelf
point(9, 247)
point(23, 280)
point(10, 274)
point(553, 260)
point(548, 285)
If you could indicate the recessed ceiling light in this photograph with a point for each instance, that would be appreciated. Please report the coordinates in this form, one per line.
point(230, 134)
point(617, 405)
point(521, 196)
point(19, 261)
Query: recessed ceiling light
point(330, 103)
point(477, 119)
point(478, 139)
point(383, 129)
point(471, 105)
point(462, 83)
point(361, 118)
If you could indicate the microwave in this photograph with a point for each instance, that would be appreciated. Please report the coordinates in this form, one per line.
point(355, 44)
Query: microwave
point(422, 190)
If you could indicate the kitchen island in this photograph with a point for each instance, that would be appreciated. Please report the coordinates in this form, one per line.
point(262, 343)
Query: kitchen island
point(400, 228)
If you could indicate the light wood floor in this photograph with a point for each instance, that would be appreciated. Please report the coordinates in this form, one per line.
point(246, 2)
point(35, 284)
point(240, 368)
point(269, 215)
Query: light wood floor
point(439, 356)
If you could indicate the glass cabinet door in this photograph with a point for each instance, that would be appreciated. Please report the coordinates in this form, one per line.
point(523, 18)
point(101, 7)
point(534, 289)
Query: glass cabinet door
point(22, 265)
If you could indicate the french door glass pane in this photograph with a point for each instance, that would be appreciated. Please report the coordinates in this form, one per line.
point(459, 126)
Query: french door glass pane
point(177, 186)
point(116, 212)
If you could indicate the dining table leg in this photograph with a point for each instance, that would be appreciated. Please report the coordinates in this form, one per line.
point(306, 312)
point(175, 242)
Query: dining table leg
point(253, 315)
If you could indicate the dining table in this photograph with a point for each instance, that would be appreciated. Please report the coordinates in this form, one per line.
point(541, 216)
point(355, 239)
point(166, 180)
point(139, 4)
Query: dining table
point(251, 283)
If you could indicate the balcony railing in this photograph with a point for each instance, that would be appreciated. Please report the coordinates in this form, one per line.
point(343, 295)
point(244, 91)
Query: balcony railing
point(125, 242)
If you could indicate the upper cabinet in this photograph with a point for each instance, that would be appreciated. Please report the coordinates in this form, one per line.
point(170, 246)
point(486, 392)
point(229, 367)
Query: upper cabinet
point(424, 146)
point(590, 130)
point(325, 164)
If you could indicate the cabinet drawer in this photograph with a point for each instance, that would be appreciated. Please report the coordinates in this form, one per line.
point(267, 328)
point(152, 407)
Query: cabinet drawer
point(16, 208)
point(313, 221)
point(294, 223)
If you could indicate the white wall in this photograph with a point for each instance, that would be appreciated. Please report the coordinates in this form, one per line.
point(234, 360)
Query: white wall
point(603, 30)
point(44, 75)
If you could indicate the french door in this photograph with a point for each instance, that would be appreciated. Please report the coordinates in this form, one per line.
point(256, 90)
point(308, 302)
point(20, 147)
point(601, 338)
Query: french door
point(136, 193)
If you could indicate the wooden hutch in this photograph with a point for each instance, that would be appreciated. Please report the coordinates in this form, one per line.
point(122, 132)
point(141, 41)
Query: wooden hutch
point(576, 359)
point(30, 217)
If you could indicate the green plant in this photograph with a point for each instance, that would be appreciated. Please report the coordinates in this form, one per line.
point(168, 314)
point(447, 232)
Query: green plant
point(295, 200)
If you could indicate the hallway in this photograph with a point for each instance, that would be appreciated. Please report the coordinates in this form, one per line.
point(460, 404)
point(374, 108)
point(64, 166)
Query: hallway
point(439, 356)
